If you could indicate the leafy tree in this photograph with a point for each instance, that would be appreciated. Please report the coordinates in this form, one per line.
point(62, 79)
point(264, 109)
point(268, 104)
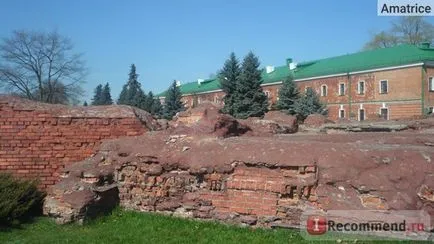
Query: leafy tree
point(288, 94)
point(41, 66)
point(85, 104)
point(307, 104)
point(250, 100)
point(132, 93)
point(405, 30)
point(97, 97)
point(229, 76)
point(173, 103)
point(106, 96)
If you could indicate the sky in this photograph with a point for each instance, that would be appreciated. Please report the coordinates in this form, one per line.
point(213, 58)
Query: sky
point(190, 39)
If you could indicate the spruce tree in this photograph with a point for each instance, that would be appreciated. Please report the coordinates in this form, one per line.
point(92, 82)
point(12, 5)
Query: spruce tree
point(149, 102)
point(85, 104)
point(228, 76)
point(173, 103)
point(307, 104)
point(132, 93)
point(250, 100)
point(288, 94)
point(156, 108)
point(97, 97)
point(106, 96)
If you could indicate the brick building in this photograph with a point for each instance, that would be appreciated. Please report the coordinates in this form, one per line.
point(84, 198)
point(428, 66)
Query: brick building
point(389, 83)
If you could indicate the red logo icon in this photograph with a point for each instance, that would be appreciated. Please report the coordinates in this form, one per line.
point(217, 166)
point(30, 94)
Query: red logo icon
point(316, 225)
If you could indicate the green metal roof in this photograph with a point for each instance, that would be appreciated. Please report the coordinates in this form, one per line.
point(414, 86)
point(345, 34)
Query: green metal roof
point(366, 60)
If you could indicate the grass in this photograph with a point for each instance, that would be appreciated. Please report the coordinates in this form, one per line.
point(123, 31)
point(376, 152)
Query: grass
point(133, 227)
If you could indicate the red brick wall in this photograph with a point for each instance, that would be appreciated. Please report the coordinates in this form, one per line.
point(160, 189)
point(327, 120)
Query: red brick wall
point(36, 142)
point(403, 98)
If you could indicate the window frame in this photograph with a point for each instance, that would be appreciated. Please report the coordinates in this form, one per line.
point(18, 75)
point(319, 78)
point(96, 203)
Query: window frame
point(339, 115)
point(388, 112)
point(381, 87)
point(358, 87)
point(364, 114)
point(322, 90)
point(267, 93)
point(431, 84)
point(339, 89)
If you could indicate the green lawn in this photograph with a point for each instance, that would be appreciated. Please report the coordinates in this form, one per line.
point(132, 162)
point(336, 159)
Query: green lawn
point(132, 227)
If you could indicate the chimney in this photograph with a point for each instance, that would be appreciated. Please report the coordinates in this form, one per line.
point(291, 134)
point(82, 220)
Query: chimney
point(291, 64)
point(178, 83)
point(269, 69)
point(199, 81)
point(288, 61)
point(425, 45)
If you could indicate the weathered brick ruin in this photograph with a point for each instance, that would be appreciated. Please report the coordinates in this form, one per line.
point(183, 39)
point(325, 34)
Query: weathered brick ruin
point(36, 139)
point(266, 182)
point(213, 166)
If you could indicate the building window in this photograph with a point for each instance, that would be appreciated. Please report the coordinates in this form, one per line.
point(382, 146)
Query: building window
point(341, 113)
point(430, 110)
point(361, 114)
point(323, 90)
point(307, 88)
point(361, 87)
point(384, 113)
point(430, 84)
point(267, 93)
point(384, 87)
point(341, 89)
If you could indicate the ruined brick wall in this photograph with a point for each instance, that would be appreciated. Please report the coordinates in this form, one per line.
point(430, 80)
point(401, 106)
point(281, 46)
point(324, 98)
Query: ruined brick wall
point(254, 193)
point(36, 140)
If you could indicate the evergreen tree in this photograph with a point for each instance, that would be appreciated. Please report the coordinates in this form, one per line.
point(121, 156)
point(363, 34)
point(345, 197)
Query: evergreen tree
point(228, 76)
point(106, 96)
point(288, 94)
point(150, 99)
point(307, 104)
point(153, 105)
point(156, 109)
point(173, 103)
point(97, 97)
point(132, 93)
point(85, 104)
point(250, 100)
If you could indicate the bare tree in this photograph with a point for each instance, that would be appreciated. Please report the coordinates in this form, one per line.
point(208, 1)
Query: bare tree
point(41, 66)
point(413, 30)
point(381, 40)
point(405, 30)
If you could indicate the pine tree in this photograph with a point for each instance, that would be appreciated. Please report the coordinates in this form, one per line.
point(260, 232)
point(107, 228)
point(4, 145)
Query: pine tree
point(173, 103)
point(288, 94)
point(307, 104)
point(152, 104)
point(85, 104)
point(97, 97)
point(132, 93)
point(250, 101)
point(155, 107)
point(106, 96)
point(229, 76)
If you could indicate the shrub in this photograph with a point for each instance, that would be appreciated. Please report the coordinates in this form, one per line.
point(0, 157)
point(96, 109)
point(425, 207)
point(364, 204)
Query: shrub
point(19, 199)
